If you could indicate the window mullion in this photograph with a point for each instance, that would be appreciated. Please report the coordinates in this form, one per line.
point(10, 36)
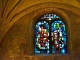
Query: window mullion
point(50, 42)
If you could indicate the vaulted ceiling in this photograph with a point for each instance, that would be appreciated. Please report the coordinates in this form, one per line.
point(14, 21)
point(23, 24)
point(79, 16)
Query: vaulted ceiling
point(13, 10)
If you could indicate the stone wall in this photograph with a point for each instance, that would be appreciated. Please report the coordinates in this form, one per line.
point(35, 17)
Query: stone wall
point(17, 28)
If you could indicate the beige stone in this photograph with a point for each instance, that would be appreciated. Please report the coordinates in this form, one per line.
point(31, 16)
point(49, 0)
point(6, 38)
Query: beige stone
point(17, 21)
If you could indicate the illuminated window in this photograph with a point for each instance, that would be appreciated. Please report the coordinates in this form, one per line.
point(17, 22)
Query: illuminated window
point(50, 35)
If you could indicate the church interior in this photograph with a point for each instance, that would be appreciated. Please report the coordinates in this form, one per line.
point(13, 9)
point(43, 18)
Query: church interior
point(18, 19)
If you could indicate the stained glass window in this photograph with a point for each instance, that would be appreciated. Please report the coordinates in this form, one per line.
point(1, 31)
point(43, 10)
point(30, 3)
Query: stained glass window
point(42, 37)
point(58, 35)
point(50, 35)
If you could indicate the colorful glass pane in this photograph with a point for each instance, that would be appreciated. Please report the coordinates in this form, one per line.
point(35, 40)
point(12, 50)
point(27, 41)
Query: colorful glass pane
point(50, 16)
point(58, 35)
point(42, 37)
point(50, 35)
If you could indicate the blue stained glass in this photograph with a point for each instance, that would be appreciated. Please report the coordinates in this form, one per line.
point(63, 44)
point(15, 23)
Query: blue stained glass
point(62, 51)
point(58, 34)
point(50, 16)
point(50, 35)
point(42, 40)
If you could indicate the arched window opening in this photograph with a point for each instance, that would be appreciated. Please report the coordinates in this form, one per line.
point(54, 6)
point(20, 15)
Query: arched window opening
point(41, 37)
point(58, 35)
point(50, 35)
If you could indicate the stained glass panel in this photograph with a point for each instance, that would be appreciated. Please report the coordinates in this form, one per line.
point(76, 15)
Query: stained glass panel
point(50, 16)
point(42, 37)
point(58, 36)
point(50, 35)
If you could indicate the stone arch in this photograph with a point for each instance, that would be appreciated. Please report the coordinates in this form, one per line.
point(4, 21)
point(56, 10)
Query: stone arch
point(41, 12)
point(17, 16)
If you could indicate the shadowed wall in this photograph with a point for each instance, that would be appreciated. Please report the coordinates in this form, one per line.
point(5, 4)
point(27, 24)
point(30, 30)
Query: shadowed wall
point(17, 20)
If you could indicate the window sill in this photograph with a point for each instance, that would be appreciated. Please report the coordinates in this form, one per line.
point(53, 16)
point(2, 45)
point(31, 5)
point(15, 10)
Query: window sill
point(50, 55)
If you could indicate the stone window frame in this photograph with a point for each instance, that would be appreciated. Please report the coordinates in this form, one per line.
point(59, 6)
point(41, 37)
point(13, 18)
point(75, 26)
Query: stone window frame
point(41, 12)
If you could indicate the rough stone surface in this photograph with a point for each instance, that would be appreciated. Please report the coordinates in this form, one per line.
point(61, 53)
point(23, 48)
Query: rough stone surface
point(17, 28)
